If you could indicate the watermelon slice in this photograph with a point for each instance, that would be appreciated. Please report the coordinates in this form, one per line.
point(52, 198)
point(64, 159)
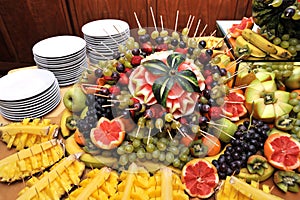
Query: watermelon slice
point(236, 29)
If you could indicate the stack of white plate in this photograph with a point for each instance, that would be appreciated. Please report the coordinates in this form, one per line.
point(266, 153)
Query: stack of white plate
point(103, 38)
point(64, 55)
point(29, 93)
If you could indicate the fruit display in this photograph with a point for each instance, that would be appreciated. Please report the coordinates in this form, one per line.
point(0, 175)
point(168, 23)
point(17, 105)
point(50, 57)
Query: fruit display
point(168, 117)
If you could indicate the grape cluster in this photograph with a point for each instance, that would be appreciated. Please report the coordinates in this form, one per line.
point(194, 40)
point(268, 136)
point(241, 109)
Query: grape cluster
point(158, 149)
point(281, 70)
point(249, 139)
point(289, 43)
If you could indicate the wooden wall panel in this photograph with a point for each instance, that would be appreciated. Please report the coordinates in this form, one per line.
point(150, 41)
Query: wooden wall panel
point(83, 12)
point(29, 21)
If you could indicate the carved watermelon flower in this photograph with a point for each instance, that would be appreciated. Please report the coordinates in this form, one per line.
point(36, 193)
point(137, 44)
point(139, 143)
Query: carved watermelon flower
point(169, 75)
point(168, 79)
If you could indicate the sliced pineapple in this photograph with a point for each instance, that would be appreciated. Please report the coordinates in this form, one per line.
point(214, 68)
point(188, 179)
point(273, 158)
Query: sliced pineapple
point(55, 183)
point(28, 132)
point(30, 161)
point(98, 184)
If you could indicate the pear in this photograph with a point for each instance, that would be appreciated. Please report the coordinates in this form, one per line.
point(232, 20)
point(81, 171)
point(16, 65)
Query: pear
point(226, 129)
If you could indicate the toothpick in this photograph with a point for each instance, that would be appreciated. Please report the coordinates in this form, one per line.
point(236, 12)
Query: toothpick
point(115, 41)
point(107, 105)
point(98, 53)
point(225, 116)
point(216, 124)
point(234, 102)
point(203, 133)
point(203, 30)
point(153, 18)
point(224, 132)
point(101, 95)
point(162, 23)
point(220, 41)
point(176, 20)
point(138, 131)
point(196, 31)
point(169, 133)
point(149, 135)
point(189, 28)
point(123, 33)
point(211, 35)
point(232, 64)
point(137, 20)
point(184, 134)
point(107, 47)
point(187, 24)
point(238, 88)
point(235, 74)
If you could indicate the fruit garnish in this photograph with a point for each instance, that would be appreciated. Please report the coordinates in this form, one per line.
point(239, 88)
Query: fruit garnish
point(200, 178)
point(233, 106)
point(198, 149)
point(169, 75)
point(287, 181)
point(236, 29)
point(108, 134)
point(282, 151)
point(257, 164)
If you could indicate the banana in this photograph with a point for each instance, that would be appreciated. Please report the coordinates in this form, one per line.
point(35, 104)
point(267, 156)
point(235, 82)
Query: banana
point(281, 53)
point(94, 161)
point(254, 51)
point(259, 41)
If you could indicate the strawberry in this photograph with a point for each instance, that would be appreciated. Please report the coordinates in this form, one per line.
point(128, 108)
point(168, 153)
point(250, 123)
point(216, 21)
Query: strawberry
point(147, 48)
point(114, 90)
point(136, 61)
point(123, 80)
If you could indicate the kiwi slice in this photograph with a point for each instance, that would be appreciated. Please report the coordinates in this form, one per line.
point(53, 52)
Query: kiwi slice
point(287, 181)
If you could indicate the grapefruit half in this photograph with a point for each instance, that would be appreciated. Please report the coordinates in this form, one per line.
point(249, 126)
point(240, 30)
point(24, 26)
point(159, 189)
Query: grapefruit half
point(108, 134)
point(282, 151)
point(200, 178)
point(233, 106)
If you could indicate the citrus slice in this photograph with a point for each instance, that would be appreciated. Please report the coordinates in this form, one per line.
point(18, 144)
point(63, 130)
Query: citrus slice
point(200, 178)
point(233, 106)
point(236, 29)
point(282, 151)
point(108, 134)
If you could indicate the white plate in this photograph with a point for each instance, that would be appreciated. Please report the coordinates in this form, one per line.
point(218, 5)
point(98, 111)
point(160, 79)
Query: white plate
point(104, 27)
point(25, 84)
point(58, 46)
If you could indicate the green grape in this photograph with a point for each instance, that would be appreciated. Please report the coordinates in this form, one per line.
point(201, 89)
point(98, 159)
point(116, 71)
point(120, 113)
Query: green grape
point(156, 153)
point(161, 146)
point(164, 140)
point(173, 149)
point(293, 95)
point(292, 49)
point(168, 117)
point(286, 73)
point(131, 39)
point(184, 38)
point(150, 147)
point(175, 35)
point(162, 156)
point(136, 143)
point(136, 45)
point(123, 160)
point(122, 48)
point(274, 66)
point(129, 148)
point(293, 41)
point(298, 115)
point(289, 67)
point(170, 157)
point(185, 150)
point(220, 101)
point(216, 76)
point(192, 43)
point(142, 31)
point(107, 72)
point(296, 108)
point(195, 129)
point(298, 47)
point(129, 44)
point(285, 37)
point(150, 124)
point(203, 100)
point(164, 33)
point(128, 55)
point(295, 129)
point(145, 140)
point(159, 123)
point(132, 157)
point(185, 31)
point(176, 163)
point(141, 153)
point(276, 41)
point(284, 44)
point(183, 157)
point(127, 64)
point(174, 142)
point(149, 156)
point(154, 34)
point(293, 102)
point(216, 60)
point(269, 69)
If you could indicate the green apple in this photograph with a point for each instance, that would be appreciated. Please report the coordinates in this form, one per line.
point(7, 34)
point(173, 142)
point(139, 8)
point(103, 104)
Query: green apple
point(74, 99)
point(225, 130)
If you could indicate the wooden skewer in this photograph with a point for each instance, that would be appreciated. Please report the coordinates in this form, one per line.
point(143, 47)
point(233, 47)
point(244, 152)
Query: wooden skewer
point(137, 20)
point(243, 87)
point(176, 21)
point(224, 132)
point(225, 116)
point(211, 35)
point(203, 133)
point(232, 64)
point(162, 23)
point(153, 18)
point(168, 131)
point(189, 28)
point(107, 105)
point(107, 47)
point(220, 41)
point(101, 95)
point(197, 27)
point(96, 52)
point(234, 102)
point(115, 41)
point(203, 30)
point(235, 74)
point(216, 124)
point(149, 135)
point(187, 24)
